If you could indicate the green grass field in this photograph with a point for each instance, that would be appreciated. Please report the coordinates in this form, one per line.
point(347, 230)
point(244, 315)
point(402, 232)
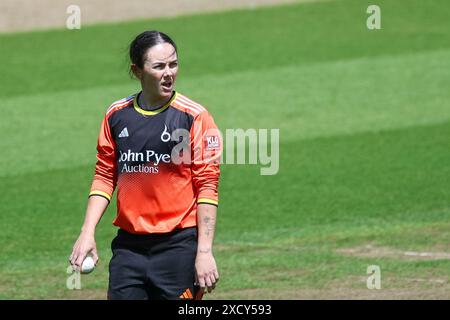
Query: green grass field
point(364, 119)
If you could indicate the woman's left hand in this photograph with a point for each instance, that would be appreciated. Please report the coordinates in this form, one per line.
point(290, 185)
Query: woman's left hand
point(206, 274)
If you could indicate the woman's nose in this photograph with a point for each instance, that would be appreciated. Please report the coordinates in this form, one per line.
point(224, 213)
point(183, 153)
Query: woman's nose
point(168, 71)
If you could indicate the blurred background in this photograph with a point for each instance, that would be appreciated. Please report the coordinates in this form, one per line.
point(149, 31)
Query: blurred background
point(364, 119)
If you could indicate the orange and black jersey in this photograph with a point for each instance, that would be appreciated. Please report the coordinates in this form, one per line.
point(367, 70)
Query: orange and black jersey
point(163, 162)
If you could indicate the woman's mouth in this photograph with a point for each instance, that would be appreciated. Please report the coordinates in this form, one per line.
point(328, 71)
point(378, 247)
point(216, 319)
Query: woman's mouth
point(167, 85)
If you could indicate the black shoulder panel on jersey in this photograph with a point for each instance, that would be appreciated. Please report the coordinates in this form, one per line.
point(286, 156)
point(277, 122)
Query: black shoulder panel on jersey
point(136, 133)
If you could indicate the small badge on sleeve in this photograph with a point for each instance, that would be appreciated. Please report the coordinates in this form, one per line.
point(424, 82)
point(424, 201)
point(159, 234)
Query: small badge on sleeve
point(212, 142)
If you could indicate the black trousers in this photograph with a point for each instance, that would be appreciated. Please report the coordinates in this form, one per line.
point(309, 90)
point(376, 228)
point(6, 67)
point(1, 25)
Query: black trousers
point(154, 266)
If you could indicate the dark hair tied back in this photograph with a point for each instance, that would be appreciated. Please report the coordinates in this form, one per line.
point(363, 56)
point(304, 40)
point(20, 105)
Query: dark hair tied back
point(143, 42)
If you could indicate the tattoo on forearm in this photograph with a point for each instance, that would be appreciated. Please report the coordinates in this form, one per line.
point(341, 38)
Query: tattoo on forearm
point(209, 224)
point(205, 250)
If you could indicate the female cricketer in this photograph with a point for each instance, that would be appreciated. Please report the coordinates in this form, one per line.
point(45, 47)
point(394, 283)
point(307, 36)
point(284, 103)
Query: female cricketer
point(161, 150)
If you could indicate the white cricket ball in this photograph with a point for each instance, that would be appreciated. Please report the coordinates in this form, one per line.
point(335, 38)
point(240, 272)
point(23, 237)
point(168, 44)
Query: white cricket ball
point(88, 265)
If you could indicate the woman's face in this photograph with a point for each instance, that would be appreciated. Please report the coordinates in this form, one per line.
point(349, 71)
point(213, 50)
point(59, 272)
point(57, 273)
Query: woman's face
point(159, 71)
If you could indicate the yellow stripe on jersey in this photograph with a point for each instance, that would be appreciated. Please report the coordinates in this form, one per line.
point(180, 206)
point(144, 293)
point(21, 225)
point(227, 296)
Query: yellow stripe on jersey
point(152, 112)
point(100, 193)
point(209, 201)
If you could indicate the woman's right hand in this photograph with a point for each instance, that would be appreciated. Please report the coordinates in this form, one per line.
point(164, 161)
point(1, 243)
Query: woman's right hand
point(84, 245)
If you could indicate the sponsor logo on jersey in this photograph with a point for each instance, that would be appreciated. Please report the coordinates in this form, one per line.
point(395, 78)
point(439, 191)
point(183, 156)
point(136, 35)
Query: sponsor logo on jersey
point(165, 136)
point(212, 142)
point(124, 133)
point(147, 157)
